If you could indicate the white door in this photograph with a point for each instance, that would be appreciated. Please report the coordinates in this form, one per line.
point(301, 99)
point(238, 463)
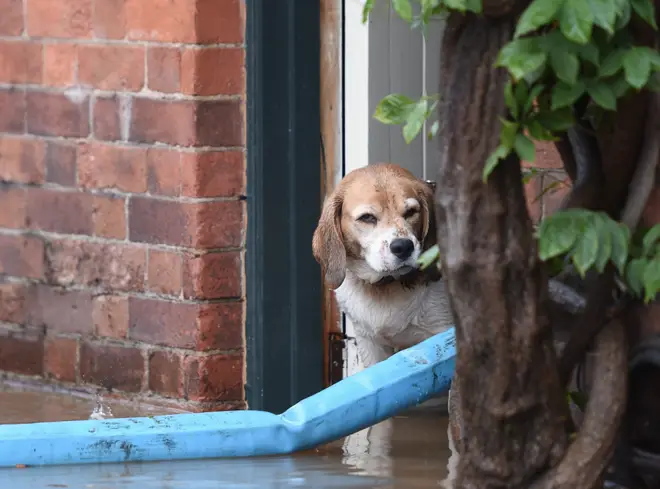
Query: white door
point(381, 57)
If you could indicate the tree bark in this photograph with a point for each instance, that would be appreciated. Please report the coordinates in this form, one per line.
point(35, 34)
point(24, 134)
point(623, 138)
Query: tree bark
point(511, 397)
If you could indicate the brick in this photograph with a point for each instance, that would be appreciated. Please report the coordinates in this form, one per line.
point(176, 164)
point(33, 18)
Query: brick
point(164, 69)
point(532, 191)
point(220, 21)
point(59, 211)
point(163, 121)
point(12, 110)
point(187, 122)
point(547, 156)
point(165, 373)
point(164, 171)
point(220, 123)
point(61, 359)
point(70, 19)
point(11, 22)
point(55, 114)
point(165, 272)
point(110, 316)
point(22, 256)
point(221, 326)
point(61, 311)
point(14, 302)
point(213, 174)
point(61, 163)
point(112, 367)
point(554, 197)
point(60, 64)
point(161, 20)
point(109, 19)
point(109, 217)
point(213, 276)
point(21, 353)
point(109, 266)
point(105, 166)
point(20, 61)
point(213, 71)
point(13, 202)
point(199, 225)
point(160, 322)
point(22, 160)
point(214, 377)
point(106, 118)
point(111, 67)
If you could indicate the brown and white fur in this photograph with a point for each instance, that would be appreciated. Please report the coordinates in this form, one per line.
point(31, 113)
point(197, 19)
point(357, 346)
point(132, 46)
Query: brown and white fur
point(372, 230)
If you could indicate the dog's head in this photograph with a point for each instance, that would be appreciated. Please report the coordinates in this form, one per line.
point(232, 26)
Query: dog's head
point(376, 224)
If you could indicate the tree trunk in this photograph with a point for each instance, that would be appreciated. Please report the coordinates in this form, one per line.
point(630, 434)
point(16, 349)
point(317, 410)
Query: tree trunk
point(510, 390)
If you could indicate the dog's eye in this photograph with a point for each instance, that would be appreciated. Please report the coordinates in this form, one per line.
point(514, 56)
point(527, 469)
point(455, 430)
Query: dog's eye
point(368, 219)
point(410, 212)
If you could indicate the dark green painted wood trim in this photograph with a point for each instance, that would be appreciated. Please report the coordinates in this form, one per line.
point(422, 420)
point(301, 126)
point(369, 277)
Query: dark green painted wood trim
point(284, 330)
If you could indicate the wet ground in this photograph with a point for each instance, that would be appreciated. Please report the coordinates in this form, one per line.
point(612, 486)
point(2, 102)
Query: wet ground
point(407, 452)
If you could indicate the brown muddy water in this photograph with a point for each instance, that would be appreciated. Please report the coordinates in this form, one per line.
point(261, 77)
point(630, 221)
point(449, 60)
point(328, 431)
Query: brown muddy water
point(409, 451)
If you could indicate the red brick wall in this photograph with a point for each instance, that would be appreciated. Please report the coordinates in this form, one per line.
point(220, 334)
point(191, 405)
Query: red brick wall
point(122, 171)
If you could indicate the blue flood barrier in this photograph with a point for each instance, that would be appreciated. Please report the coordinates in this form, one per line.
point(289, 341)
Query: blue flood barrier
point(408, 378)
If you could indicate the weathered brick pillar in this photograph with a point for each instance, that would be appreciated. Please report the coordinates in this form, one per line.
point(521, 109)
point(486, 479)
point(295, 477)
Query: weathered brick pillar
point(122, 221)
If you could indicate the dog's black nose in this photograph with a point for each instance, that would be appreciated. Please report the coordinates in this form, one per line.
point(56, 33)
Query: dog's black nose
point(402, 248)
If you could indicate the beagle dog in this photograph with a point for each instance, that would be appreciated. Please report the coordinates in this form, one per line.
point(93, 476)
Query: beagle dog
point(371, 232)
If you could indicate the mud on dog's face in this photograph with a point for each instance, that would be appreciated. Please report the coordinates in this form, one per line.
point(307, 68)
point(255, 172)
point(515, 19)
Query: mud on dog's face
point(376, 224)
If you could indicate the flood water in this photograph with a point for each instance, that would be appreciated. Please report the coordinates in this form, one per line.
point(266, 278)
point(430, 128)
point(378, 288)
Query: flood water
point(406, 452)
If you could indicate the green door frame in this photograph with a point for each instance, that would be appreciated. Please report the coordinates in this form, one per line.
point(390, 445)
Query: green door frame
point(283, 324)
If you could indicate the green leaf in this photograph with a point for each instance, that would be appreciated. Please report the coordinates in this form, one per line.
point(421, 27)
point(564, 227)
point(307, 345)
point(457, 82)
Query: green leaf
point(558, 233)
point(654, 82)
point(605, 241)
point(415, 120)
point(473, 6)
point(510, 100)
point(539, 13)
point(612, 63)
point(429, 257)
point(533, 95)
point(637, 67)
point(557, 120)
point(589, 52)
point(403, 8)
point(623, 15)
point(434, 130)
point(459, 5)
point(604, 13)
point(564, 95)
point(508, 133)
point(500, 153)
point(651, 279)
point(538, 132)
point(522, 92)
point(650, 239)
point(653, 55)
point(565, 65)
point(619, 85)
point(576, 20)
point(585, 252)
point(646, 10)
point(525, 148)
point(394, 109)
point(620, 235)
point(635, 275)
point(602, 95)
point(521, 57)
point(366, 10)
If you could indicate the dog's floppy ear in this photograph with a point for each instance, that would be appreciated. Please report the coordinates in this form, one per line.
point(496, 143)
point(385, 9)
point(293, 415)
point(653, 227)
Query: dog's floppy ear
point(328, 242)
point(425, 194)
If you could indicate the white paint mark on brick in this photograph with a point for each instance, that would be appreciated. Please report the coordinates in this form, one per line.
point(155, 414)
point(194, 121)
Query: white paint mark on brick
point(125, 113)
point(77, 94)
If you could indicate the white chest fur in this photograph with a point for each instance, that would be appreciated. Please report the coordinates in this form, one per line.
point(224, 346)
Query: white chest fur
point(394, 316)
